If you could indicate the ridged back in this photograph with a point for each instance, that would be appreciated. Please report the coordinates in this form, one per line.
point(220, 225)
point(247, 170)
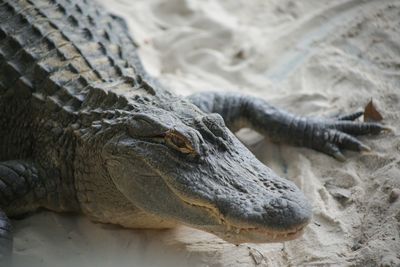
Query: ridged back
point(69, 53)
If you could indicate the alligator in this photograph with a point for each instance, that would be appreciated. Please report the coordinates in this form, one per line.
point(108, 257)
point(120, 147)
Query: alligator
point(85, 129)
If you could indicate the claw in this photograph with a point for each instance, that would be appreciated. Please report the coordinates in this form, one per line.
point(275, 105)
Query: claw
point(351, 117)
point(365, 148)
point(339, 156)
point(388, 129)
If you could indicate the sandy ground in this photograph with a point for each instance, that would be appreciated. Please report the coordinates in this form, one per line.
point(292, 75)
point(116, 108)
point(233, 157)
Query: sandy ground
point(315, 57)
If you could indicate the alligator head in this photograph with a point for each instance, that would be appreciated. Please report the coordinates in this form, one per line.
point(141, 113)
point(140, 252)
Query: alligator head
point(186, 166)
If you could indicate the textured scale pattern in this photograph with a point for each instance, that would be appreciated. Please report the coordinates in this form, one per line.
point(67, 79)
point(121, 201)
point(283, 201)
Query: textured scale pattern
point(61, 52)
point(64, 65)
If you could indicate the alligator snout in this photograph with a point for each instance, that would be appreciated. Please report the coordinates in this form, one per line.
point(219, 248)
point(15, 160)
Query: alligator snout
point(283, 210)
point(286, 213)
point(268, 215)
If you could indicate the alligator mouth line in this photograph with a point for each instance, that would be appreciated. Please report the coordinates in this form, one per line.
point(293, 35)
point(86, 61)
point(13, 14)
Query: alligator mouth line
point(272, 235)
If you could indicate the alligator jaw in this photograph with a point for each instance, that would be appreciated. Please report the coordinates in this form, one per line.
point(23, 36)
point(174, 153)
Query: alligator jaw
point(238, 235)
point(254, 235)
point(243, 234)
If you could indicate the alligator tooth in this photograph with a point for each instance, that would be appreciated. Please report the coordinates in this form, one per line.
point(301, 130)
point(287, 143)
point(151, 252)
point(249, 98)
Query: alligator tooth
point(237, 230)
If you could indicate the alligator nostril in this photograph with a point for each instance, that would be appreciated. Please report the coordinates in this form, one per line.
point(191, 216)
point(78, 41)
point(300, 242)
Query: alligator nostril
point(277, 204)
point(283, 203)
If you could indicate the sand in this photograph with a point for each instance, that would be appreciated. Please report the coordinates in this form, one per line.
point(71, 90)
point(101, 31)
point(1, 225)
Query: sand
point(315, 57)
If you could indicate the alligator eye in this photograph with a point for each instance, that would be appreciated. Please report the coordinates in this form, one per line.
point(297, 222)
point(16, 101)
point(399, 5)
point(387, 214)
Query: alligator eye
point(179, 142)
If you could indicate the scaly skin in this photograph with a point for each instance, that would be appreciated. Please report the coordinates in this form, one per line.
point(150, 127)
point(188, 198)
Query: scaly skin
point(85, 129)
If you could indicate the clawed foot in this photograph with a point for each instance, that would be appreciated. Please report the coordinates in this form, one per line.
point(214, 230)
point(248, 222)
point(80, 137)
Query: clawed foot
point(330, 136)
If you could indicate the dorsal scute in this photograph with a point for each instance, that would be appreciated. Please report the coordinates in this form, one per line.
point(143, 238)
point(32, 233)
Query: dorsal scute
point(71, 54)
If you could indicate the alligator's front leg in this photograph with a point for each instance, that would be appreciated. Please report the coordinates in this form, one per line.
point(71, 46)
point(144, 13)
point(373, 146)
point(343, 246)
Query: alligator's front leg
point(328, 135)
